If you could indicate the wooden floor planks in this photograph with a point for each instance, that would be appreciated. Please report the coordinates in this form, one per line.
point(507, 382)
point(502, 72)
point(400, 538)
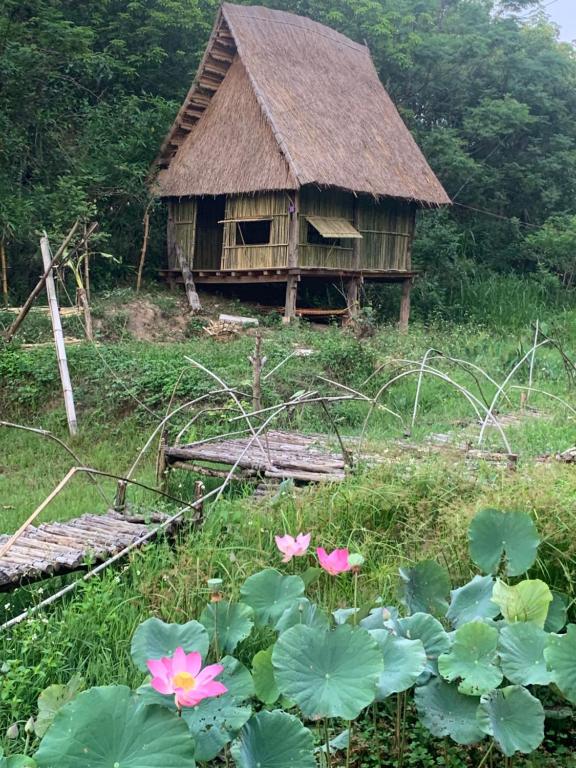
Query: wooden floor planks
point(57, 548)
point(275, 454)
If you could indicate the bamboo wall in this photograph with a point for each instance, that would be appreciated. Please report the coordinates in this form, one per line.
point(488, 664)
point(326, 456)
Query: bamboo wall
point(183, 221)
point(387, 229)
point(386, 226)
point(270, 205)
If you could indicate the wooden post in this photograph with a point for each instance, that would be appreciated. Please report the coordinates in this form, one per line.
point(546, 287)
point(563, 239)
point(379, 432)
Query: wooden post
point(120, 498)
point(258, 362)
point(405, 305)
point(84, 305)
point(193, 298)
point(143, 251)
point(293, 243)
point(58, 337)
point(4, 265)
point(353, 296)
point(86, 263)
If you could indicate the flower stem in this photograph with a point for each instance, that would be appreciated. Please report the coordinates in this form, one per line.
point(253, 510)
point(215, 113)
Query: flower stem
point(355, 596)
point(327, 742)
point(486, 756)
point(349, 747)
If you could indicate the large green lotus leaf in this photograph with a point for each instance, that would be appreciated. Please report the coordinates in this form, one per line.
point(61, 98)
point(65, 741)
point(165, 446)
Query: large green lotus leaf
point(214, 721)
point(422, 626)
point(274, 740)
point(494, 534)
point(263, 676)
point(382, 617)
point(302, 611)
point(446, 712)
point(514, 718)
point(557, 613)
point(560, 656)
point(404, 662)
point(154, 639)
point(472, 601)
point(227, 624)
point(472, 659)
point(521, 648)
point(110, 727)
point(18, 761)
point(529, 600)
point(270, 593)
point(52, 699)
point(328, 673)
point(425, 588)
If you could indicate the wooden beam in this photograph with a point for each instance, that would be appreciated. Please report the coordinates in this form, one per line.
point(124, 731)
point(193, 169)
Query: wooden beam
point(405, 306)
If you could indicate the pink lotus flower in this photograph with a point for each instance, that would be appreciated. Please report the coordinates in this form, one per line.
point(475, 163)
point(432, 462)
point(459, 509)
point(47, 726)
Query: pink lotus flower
point(334, 563)
point(182, 675)
point(292, 547)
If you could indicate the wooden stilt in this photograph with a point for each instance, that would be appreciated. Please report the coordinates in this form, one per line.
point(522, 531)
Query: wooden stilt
point(405, 306)
point(353, 296)
point(193, 298)
point(293, 243)
point(291, 293)
point(58, 337)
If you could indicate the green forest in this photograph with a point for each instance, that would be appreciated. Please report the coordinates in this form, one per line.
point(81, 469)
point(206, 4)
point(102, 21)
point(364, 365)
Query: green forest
point(88, 91)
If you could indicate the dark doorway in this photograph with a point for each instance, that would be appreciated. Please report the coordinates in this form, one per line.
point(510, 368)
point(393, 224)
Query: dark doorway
point(209, 233)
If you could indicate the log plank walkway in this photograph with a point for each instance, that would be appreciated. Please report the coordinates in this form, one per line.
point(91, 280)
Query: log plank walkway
point(57, 548)
point(275, 454)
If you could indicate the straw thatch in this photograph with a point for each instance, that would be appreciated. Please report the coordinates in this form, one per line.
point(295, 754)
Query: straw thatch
point(298, 104)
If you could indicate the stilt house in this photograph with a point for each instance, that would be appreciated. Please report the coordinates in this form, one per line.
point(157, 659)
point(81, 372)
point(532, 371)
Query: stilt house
point(289, 161)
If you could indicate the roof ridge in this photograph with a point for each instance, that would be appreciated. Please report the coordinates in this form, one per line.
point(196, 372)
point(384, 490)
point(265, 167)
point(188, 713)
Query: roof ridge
point(262, 101)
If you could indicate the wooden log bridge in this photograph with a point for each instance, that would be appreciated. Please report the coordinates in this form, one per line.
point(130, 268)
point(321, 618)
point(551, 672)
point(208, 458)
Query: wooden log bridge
point(275, 454)
point(57, 548)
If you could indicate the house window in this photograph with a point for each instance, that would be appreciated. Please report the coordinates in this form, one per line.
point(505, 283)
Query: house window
point(315, 238)
point(255, 232)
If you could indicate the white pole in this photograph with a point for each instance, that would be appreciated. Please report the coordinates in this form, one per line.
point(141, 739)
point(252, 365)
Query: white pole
point(59, 339)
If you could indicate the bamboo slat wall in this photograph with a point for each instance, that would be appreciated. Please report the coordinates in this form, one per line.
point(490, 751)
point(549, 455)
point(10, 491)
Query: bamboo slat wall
point(184, 220)
point(271, 205)
point(387, 228)
point(333, 204)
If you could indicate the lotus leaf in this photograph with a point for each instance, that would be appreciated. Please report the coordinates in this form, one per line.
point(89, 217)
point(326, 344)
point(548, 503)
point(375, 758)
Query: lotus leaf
point(560, 655)
point(494, 535)
point(328, 673)
point(426, 587)
point(472, 659)
point(270, 593)
point(446, 712)
point(227, 624)
point(154, 639)
point(472, 601)
point(514, 718)
point(521, 648)
point(109, 726)
point(404, 662)
point(274, 740)
point(529, 600)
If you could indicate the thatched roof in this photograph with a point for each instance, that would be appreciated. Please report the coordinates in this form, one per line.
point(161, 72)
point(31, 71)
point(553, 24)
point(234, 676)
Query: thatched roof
point(281, 101)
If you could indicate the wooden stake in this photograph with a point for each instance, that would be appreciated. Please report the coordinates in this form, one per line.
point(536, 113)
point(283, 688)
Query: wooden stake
point(258, 363)
point(405, 305)
point(4, 264)
point(143, 251)
point(86, 264)
point(85, 307)
point(291, 294)
point(353, 296)
point(40, 285)
point(58, 337)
